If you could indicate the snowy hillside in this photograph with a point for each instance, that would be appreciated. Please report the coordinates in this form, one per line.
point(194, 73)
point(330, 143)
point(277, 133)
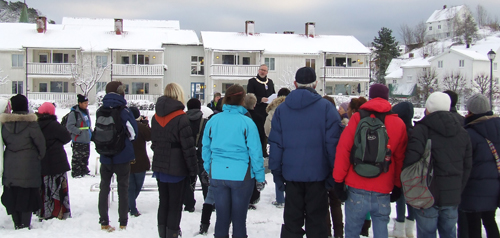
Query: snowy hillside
point(10, 12)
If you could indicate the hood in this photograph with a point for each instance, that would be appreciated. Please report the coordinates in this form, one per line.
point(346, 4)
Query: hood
point(275, 103)
point(487, 127)
point(166, 105)
point(405, 112)
point(444, 123)
point(16, 123)
point(45, 119)
point(301, 98)
point(376, 105)
point(194, 114)
point(234, 109)
point(112, 100)
point(76, 108)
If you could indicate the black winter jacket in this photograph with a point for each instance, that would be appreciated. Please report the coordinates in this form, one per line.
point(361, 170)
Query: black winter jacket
point(172, 140)
point(483, 188)
point(451, 153)
point(142, 163)
point(56, 136)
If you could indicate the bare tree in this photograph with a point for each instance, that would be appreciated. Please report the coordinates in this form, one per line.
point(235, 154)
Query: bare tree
point(419, 32)
point(3, 79)
point(481, 15)
point(88, 71)
point(494, 25)
point(287, 77)
point(482, 83)
point(427, 81)
point(429, 50)
point(406, 33)
point(455, 82)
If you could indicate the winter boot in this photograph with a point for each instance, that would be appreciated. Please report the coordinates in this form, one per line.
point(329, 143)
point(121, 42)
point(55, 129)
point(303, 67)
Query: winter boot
point(107, 228)
point(173, 233)
point(366, 227)
point(25, 220)
point(206, 213)
point(204, 229)
point(162, 231)
point(398, 231)
point(410, 228)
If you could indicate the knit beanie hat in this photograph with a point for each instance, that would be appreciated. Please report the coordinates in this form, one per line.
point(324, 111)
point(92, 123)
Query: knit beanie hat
point(19, 103)
point(47, 108)
point(378, 91)
point(478, 104)
point(438, 101)
point(115, 87)
point(193, 103)
point(81, 98)
point(135, 112)
point(344, 106)
point(305, 75)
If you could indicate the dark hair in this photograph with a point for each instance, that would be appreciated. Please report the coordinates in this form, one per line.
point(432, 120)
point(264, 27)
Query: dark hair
point(356, 103)
point(330, 99)
point(283, 92)
point(453, 97)
point(234, 95)
point(193, 103)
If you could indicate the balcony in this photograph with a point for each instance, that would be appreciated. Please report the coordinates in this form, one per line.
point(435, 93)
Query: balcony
point(142, 97)
point(349, 72)
point(49, 68)
point(235, 70)
point(138, 70)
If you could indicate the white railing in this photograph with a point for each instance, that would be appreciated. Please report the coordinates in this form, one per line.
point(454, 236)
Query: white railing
point(142, 97)
point(49, 68)
point(61, 99)
point(138, 70)
point(235, 70)
point(349, 72)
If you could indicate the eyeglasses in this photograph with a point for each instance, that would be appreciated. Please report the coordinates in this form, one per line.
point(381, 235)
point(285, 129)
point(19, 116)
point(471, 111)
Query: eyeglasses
point(263, 70)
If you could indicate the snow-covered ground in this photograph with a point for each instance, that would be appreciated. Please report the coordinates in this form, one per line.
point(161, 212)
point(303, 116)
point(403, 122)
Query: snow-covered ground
point(264, 222)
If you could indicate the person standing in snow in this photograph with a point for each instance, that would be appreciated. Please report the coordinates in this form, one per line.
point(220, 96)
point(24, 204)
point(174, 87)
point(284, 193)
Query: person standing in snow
point(24, 150)
point(78, 125)
point(305, 130)
point(174, 159)
point(4, 108)
point(213, 104)
point(262, 87)
point(451, 156)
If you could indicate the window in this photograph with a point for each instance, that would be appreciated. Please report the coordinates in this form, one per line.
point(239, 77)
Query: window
point(394, 81)
point(311, 63)
point(58, 87)
point(329, 62)
point(100, 86)
point(461, 63)
point(228, 59)
point(125, 60)
point(246, 60)
point(329, 90)
point(17, 87)
point(440, 64)
point(43, 87)
point(430, 28)
point(270, 63)
point(340, 62)
point(43, 58)
point(101, 61)
point(197, 67)
point(17, 61)
point(448, 34)
point(140, 59)
point(60, 58)
point(225, 86)
point(496, 80)
point(495, 66)
point(409, 77)
point(439, 27)
point(126, 89)
point(140, 88)
point(424, 69)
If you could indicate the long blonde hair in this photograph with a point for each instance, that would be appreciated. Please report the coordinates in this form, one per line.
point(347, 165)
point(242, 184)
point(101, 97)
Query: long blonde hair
point(174, 91)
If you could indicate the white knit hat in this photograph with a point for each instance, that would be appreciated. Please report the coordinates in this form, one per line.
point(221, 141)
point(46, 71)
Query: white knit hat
point(438, 101)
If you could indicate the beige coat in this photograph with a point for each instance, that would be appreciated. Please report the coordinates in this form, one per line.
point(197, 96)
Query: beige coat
point(270, 113)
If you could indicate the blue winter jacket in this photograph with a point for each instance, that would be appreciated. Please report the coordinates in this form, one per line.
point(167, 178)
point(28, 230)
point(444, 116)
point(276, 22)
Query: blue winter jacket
point(127, 154)
point(483, 187)
point(305, 130)
point(231, 146)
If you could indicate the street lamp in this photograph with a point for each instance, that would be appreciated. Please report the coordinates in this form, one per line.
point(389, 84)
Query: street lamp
point(491, 56)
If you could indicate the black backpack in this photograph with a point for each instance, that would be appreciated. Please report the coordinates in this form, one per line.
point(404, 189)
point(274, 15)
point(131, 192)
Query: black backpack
point(64, 120)
point(370, 149)
point(109, 134)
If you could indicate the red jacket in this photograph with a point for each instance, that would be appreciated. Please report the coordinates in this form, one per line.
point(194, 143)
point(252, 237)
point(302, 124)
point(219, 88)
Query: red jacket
point(396, 130)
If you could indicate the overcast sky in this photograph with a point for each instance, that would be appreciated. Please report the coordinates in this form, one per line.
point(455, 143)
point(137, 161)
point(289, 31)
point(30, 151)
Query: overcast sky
point(362, 18)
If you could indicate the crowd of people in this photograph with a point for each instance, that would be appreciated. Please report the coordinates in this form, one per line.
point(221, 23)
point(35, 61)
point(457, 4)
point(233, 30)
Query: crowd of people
point(320, 158)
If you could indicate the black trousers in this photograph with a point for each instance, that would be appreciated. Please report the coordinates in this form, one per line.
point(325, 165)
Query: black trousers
point(189, 200)
point(336, 213)
point(305, 201)
point(170, 207)
point(122, 172)
point(488, 219)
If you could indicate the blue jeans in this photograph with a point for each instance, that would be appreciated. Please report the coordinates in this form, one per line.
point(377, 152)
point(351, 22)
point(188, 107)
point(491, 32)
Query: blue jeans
point(280, 195)
point(210, 196)
point(443, 219)
point(232, 199)
point(400, 210)
point(135, 182)
point(359, 203)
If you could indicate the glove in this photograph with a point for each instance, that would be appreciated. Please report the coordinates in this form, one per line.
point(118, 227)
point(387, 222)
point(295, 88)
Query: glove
point(396, 193)
point(204, 178)
point(329, 183)
point(260, 185)
point(340, 191)
point(192, 182)
point(279, 181)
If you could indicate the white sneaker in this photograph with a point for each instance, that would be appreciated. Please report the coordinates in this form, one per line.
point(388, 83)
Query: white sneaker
point(398, 231)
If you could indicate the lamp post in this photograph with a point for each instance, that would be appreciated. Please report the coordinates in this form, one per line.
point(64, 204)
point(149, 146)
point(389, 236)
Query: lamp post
point(491, 56)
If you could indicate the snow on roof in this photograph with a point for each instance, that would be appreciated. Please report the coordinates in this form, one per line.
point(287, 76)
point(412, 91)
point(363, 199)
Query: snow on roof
point(402, 88)
point(92, 37)
point(397, 74)
point(472, 54)
point(417, 62)
point(444, 14)
point(282, 43)
point(108, 22)
point(395, 65)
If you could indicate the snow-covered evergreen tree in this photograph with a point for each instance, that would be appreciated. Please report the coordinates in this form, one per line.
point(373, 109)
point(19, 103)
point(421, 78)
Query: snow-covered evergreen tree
point(386, 48)
point(467, 30)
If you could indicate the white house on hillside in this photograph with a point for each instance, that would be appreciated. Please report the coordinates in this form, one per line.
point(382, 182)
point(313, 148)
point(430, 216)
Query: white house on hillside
point(441, 24)
point(406, 77)
point(341, 62)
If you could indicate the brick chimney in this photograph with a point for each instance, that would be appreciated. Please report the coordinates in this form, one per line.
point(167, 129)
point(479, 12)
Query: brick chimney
point(41, 24)
point(288, 32)
point(310, 31)
point(444, 6)
point(118, 26)
point(249, 28)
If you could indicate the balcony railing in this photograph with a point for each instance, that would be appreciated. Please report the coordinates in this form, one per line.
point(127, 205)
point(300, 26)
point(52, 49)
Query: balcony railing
point(138, 70)
point(235, 70)
point(49, 68)
point(142, 97)
point(347, 72)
